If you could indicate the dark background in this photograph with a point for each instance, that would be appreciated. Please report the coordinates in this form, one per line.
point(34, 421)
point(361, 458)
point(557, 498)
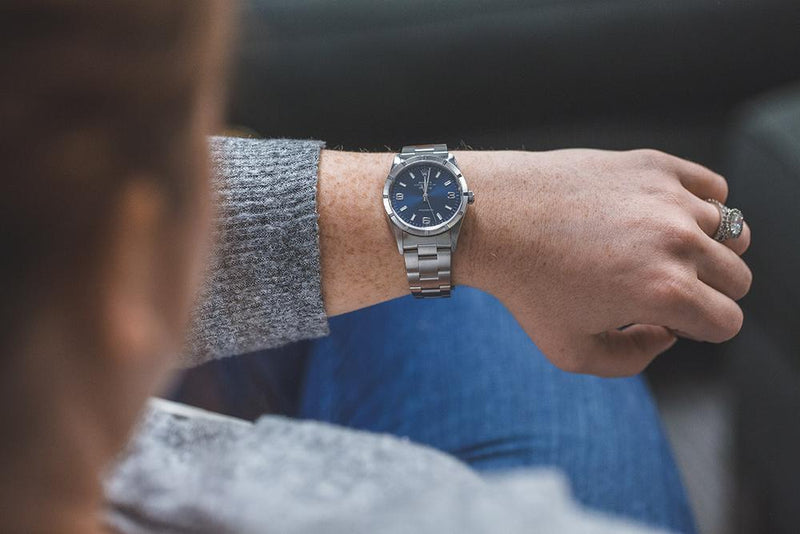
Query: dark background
point(510, 73)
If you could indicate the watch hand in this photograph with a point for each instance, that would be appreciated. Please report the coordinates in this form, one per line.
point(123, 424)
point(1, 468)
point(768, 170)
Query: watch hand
point(429, 206)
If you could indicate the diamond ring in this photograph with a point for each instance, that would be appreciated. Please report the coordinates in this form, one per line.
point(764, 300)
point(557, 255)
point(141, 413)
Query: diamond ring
point(731, 222)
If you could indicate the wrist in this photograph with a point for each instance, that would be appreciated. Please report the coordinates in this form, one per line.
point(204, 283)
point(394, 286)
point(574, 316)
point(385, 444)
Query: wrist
point(360, 265)
point(474, 255)
point(505, 205)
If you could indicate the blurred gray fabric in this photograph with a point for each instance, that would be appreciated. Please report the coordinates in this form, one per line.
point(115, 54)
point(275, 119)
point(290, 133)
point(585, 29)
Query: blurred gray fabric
point(193, 471)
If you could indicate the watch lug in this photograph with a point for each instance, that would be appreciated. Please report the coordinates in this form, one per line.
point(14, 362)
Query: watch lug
point(454, 231)
point(398, 236)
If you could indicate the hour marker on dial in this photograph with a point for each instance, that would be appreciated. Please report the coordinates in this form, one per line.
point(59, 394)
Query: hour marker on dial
point(413, 216)
point(401, 183)
point(439, 215)
point(448, 182)
point(411, 174)
point(448, 207)
point(439, 174)
point(404, 208)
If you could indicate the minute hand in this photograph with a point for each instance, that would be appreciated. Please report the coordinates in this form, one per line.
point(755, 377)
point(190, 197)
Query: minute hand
point(426, 196)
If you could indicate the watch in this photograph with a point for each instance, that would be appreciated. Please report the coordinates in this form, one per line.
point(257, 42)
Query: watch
point(426, 197)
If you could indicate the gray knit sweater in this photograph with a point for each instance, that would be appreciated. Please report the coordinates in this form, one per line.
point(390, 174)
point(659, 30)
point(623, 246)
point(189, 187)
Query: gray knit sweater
point(192, 471)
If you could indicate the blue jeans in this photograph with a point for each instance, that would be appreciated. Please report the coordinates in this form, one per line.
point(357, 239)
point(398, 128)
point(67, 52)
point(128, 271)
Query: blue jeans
point(462, 376)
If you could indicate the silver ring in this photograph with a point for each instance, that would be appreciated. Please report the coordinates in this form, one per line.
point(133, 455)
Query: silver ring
point(731, 221)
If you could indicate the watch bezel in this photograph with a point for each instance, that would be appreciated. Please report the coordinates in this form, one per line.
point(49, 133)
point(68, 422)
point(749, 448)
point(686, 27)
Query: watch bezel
point(440, 228)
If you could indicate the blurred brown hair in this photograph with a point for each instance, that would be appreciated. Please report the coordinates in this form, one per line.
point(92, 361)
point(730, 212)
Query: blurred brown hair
point(92, 93)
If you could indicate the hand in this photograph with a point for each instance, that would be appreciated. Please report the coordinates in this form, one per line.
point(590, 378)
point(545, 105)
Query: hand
point(579, 243)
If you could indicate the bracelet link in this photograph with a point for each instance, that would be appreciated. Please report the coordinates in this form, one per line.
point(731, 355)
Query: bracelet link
point(428, 261)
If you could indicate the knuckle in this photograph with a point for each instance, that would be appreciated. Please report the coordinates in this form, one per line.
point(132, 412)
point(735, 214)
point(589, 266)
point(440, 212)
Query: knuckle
point(670, 289)
point(650, 158)
point(746, 238)
point(680, 237)
point(722, 184)
point(737, 321)
point(673, 196)
point(740, 279)
point(746, 245)
point(746, 283)
point(728, 323)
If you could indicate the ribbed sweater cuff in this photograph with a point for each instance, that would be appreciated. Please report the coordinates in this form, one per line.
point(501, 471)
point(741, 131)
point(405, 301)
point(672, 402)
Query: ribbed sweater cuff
point(263, 289)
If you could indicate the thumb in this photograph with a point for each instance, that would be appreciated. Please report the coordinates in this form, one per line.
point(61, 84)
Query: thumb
point(627, 352)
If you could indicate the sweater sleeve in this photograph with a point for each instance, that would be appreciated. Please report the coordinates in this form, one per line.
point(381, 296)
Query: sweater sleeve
point(263, 288)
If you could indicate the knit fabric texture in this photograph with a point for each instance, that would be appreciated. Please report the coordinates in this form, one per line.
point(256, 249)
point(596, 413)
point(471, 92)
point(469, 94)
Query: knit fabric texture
point(263, 287)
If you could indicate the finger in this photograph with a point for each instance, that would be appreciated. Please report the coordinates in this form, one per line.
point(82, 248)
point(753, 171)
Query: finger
point(684, 335)
point(627, 352)
point(741, 243)
point(721, 268)
point(702, 313)
point(701, 181)
point(707, 215)
point(708, 219)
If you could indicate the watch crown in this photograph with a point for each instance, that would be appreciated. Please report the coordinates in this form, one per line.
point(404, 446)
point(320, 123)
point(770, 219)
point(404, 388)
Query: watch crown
point(470, 197)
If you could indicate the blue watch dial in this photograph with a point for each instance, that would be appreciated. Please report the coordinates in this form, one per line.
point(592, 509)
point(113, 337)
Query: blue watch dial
point(425, 194)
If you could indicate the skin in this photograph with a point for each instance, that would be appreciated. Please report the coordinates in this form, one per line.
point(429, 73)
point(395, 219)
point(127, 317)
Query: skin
point(576, 243)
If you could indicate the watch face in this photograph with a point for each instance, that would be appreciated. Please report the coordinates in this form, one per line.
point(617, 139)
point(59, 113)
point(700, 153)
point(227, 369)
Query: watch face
point(425, 195)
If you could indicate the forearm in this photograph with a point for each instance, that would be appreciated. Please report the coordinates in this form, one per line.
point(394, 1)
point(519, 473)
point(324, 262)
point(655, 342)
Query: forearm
point(359, 260)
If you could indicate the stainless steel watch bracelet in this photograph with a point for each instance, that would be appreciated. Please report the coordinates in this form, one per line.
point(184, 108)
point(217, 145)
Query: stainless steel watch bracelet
point(416, 150)
point(428, 264)
point(427, 258)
